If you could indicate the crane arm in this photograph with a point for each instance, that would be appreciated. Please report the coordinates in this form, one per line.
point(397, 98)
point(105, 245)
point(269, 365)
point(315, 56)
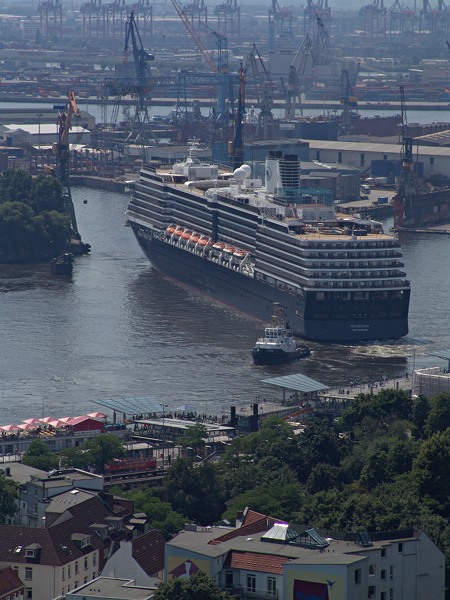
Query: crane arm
point(65, 118)
point(195, 36)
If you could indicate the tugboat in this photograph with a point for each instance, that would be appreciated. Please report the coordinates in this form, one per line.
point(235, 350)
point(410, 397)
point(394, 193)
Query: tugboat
point(62, 265)
point(278, 346)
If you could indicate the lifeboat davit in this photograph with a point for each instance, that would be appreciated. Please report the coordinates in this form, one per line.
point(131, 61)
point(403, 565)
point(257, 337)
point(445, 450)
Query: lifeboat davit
point(229, 249)
point(170, 229)
point(219, 246)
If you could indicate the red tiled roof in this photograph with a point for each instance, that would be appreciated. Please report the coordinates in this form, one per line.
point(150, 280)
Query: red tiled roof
point(255, 526)
point(148, 551)
point(56, 544)
point(251, 516)
point(9, 581)
point(253, 561)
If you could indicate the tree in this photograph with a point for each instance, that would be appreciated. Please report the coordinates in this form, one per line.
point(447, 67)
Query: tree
point(194, 437)
point(47, 195)
point(103, 449)
point(15, 186)
point(40, 456)
point(17, 230)
point(439, 415)
point(8, 496)
point(77, 457)
point(197, 587)
point(430, 468)
point(194, 491)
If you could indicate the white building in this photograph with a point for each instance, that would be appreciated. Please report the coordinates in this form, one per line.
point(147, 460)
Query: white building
point(268, 559)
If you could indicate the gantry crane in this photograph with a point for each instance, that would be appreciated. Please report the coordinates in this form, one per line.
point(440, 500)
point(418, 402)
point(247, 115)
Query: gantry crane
point(405, 186)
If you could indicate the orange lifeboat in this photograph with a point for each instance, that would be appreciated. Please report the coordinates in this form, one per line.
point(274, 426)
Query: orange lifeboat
point(186, 235)
point(194, 239)
point(203, 241)
point(179, 232)
point(170, 229)
point(240, 253)
point(219, 246)
point(229, 249)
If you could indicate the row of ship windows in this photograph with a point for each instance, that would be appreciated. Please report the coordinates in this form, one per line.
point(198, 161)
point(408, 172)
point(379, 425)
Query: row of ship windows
point(329, 315)
point(381, 295)
point(349, 245)
point(356, 277)
point(350, 274)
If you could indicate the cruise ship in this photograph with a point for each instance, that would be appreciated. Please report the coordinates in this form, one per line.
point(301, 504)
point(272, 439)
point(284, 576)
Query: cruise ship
point(249, 245)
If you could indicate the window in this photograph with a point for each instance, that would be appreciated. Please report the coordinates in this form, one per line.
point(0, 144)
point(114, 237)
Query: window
point(76, 568)
point(228, 579)
point(85, 563)
point(362, 160)
point(372, 591)
point(383, 574)
point(271, 586)
point(317, 154)
point(372, 570)
point(94, 559)
point(431, 160)
point(391, 572)
point(358, 576)
point(28, 594)
point(400, 547)
point(383, 596)
point(63, 574)
point(28, 573)
point(339, 157)
point(251, 583)
point(68, 571)
point(391, 593)
point(384, 156)
point(383, 552)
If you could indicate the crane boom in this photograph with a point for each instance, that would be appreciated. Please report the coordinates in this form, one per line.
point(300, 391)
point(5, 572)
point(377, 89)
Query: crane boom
point(194, 35)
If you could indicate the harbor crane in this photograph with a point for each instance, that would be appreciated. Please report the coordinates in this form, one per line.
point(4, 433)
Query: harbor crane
point(140, 85)
point(264, 92)
point(62, 155)
point(405, 186)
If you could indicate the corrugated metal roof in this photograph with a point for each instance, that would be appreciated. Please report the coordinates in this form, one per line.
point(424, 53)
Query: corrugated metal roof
point(297, 382)
point(445, 354)
point(368, 147)
point(132, 406)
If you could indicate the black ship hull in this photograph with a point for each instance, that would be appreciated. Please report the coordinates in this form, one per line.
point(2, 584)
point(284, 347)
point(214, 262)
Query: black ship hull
point(337, 322)
point(264, 356)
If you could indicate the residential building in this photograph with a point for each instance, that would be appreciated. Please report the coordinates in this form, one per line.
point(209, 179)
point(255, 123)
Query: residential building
point(141, 558)
point(108, 588)
point(11, 587)
point(269, 559)
point(80, 533)
point(36, 495)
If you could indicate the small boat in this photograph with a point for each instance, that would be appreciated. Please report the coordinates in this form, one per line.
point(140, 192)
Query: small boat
point(62, 265)
point(278, 346)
